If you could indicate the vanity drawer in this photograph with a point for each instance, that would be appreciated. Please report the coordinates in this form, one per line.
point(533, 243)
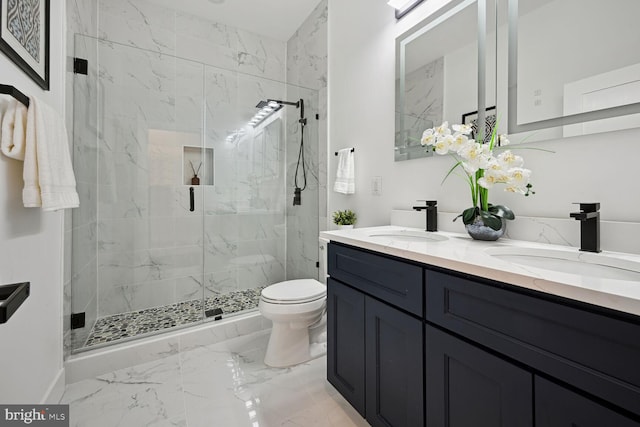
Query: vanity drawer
point(593, 349)
point(393, 281)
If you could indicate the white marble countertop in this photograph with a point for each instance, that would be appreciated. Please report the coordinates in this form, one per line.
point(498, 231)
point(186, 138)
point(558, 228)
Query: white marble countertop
point(461, 253)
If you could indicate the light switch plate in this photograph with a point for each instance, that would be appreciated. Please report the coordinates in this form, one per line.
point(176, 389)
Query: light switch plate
point(376, 185)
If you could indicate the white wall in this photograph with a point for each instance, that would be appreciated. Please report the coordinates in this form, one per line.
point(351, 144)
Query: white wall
point(31, 250)
point(361, 111)
point(361, 114)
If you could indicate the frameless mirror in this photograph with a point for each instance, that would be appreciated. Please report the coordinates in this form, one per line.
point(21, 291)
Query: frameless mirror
point(438, 70)
point(573, 67)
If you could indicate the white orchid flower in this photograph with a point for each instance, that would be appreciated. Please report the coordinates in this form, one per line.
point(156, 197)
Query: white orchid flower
point(477, 155)
point(469, 151)
point(428, 137)
point(515, 189)
point(460, 140)
point(486, 181)
point(510, 160)
point(443, 129)
point(464, 129)
point(496, 171)
point(493, 174)
point(443, 144)
point(518, 180)
point(502, 140)
point(519, 177)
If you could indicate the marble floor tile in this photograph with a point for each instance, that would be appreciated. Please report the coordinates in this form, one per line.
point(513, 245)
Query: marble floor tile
point(219, 385)
point(149, 394)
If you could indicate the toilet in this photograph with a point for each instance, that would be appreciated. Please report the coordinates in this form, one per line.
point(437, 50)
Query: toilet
point(297, 309)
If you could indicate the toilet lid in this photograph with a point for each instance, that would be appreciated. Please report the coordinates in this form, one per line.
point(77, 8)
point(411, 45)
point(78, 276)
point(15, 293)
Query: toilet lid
point(300, 290)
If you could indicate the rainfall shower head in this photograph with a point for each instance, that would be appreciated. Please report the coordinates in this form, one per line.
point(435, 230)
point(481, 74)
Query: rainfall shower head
point(270, 106)
point(296, 104)
point(267, 108)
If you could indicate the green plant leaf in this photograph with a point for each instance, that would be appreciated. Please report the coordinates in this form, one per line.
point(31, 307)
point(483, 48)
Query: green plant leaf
point(490, 220)
point(501, 211)
point(469, 215)
point(346, 217)
point(516, 147)
point(451, 171)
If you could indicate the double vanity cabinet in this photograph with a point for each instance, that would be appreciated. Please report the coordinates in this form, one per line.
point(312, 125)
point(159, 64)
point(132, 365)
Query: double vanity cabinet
point(413, 344)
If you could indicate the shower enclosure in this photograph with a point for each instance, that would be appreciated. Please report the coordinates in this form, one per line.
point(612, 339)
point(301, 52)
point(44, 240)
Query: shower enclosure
point(186, 209)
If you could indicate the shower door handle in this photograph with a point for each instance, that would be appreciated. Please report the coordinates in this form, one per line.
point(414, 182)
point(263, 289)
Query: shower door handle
point(191, 200)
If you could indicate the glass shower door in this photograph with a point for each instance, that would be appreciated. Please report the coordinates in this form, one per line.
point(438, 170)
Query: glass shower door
point(144, 182)
point(245, 224)
point(254, 236)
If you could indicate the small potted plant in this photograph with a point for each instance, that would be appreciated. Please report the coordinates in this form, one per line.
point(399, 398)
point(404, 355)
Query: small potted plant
point(344, 219)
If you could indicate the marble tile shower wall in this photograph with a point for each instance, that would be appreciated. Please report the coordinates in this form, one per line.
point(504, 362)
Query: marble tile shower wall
point(302, 220)
point(80, 250)
point(307, 68)
point(151, 27)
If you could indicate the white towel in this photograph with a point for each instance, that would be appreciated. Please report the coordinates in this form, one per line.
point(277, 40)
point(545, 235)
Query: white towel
point(48, 173)
point(13, 119)
point(345, 175)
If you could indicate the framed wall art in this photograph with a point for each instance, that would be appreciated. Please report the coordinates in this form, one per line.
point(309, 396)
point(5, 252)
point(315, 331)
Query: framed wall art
point(24, 36)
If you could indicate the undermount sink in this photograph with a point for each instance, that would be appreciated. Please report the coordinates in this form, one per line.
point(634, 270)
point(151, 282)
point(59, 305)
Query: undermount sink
point(581, 263)
point(409, 236)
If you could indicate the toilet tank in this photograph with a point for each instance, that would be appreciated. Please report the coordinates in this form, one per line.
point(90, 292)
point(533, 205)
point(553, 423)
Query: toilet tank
point(322, 255)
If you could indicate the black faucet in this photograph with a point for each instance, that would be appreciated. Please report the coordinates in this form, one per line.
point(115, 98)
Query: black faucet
point(432, 214)
point(589, 218)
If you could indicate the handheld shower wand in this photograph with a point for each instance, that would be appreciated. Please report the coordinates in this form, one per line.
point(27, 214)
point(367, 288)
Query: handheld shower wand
point(297, 193)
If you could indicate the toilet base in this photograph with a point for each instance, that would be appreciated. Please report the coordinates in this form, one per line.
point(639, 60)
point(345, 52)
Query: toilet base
point(318, 331)
point(287, 346)
point(290, 346)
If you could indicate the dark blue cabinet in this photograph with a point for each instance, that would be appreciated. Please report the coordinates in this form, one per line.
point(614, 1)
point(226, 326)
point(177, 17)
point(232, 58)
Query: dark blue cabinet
point(374, 348)
point(394, 374)
point(374, 357)
point(469, 387)
point(345, 343)
point(557, 406)
point(415, 345)
point(396, 282)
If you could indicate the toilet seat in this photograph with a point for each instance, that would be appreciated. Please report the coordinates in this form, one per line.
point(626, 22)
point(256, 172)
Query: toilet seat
point(297, 291)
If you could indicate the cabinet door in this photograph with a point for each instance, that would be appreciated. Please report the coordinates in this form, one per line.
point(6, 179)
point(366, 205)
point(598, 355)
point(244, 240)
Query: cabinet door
point(345, 342)
point(468, 387)
point(394, 374)
point(557, 406)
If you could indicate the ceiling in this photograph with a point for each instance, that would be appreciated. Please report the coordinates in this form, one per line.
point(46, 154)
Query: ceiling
point(276, 19)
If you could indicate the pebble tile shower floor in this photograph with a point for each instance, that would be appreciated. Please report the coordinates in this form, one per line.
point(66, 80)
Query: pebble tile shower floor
point(126, 325)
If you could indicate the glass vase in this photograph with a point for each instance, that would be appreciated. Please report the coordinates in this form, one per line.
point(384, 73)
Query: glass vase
point(479, 231)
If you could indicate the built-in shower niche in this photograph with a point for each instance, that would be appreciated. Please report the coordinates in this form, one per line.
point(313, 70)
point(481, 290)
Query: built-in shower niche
point(197, 165)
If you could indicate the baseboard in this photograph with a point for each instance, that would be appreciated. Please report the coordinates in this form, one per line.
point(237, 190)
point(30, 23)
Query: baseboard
point(56, 389)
